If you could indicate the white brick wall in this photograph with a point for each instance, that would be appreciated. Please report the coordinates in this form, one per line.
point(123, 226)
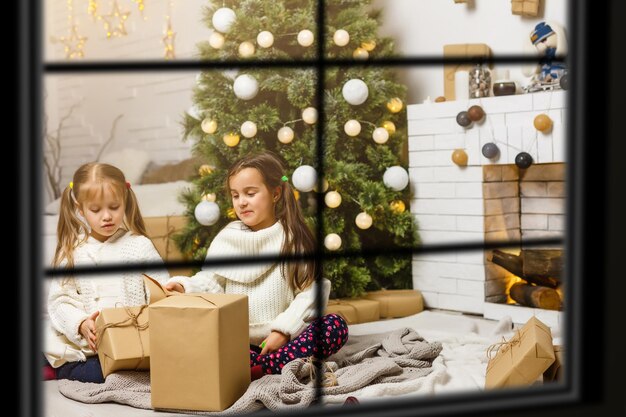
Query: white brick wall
point(151, 103)
point(448, 200)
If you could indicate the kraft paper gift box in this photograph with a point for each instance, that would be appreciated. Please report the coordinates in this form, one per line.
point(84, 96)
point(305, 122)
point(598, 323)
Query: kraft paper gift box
point(199, 345)
point(465, 50)
point(397, 303)
point(160, 231)
point(522, 359)
point(555, 371)
point(525, 7)
point(354, 310)
point(123, 341)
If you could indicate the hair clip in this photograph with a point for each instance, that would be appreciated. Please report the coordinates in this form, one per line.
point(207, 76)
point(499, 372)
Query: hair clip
point(284, 178)
point(71, 185)
point(128, 184)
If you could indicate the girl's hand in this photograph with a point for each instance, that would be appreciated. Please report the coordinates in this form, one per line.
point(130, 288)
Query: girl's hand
point(88, 330)
point(273, 342)
point(174, 286)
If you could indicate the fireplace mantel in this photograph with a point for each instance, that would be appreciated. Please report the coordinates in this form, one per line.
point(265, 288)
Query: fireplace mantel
point(449, 202)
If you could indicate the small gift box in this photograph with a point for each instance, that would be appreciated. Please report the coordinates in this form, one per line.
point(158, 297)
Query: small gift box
point(123, 340)
point(555, 371)
point(354, 310)
point(525, 7)
point(522, 359)
point(397, 303)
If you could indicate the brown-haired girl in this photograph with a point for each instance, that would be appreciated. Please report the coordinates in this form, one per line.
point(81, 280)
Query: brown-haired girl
point(99, 224)
point(281, 295)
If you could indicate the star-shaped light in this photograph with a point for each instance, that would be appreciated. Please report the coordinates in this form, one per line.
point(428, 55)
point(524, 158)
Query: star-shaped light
point(73, 44)
point(168, 40)
point(92, 9)
point(141, 6)
point(115, 22)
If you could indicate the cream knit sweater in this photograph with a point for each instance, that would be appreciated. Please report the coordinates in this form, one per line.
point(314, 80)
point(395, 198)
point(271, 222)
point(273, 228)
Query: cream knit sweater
point(72, 302)
point(272, 304)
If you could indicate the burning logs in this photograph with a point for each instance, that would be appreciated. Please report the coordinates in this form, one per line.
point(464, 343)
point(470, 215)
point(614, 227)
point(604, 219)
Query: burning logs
point(535, 296)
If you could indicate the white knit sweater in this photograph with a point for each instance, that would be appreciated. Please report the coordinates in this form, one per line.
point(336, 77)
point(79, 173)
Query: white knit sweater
point(72, 302)
point(272, 304)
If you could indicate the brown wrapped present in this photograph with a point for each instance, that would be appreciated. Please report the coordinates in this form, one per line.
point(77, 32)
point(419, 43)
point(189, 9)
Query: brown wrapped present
point(200, 351)
point(523, 359)
point(465, 50)
point(354, 310)
point(525, 7)
point(160, 230)
point(397, 303)
point(555, 371)
point(123, 341)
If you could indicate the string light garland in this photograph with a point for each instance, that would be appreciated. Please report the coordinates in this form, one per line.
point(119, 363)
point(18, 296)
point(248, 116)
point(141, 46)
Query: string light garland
point(115, 22)
point(170, 35)
point(141, 6)
point(92, 9)
point(74, 43)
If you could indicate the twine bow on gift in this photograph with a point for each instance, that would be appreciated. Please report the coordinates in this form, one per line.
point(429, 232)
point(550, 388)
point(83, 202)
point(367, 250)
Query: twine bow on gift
point(504, 345)
point(131, 320)
point(329, 377)
point(169, 231)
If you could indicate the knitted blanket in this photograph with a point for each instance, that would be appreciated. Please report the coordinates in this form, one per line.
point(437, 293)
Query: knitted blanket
point(365, 361)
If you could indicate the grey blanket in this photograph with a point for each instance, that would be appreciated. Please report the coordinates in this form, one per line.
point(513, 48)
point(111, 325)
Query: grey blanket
point(390, 357)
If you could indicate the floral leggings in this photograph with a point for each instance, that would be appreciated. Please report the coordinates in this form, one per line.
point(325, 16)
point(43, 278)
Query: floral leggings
point(332, 334)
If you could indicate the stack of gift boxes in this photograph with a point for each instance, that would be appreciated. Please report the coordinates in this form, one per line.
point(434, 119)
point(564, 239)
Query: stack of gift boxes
point(196, 346)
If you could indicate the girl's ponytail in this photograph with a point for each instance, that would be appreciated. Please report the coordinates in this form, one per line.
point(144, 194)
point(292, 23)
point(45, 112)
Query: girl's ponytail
point(133, 218)
point(69, 228)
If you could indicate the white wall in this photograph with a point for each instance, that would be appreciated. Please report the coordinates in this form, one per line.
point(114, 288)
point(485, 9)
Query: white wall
point(423, 27)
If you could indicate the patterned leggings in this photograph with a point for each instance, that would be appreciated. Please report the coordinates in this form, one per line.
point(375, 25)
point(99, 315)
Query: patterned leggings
point(332, 334)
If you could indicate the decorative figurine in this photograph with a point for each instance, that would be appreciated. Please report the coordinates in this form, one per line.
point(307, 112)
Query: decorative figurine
point(547, 40)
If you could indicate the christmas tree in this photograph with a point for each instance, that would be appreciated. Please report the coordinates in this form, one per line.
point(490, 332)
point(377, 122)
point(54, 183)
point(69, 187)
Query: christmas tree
point(254, 109)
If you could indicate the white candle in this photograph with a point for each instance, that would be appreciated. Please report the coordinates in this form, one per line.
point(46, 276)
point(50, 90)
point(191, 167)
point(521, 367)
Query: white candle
point(461, 85)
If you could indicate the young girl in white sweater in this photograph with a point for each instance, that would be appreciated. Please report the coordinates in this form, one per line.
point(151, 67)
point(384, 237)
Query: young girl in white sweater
point(281, 295)
point(99, 224)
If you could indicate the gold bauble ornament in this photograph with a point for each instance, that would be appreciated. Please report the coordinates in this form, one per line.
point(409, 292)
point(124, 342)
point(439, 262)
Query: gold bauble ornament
point(397, 206)
point(363, 221)
point(324, 186)
point(216, 40)
point(459, 157)
point(208, 125)
point(231, 139)
point(395, 105)
point(368, 45)
point(296, 194)
point(204, 170)
point(543, 123)
point(332, 199)
point(211, 197)
point(246, 49)
point(360, 53)
point(231, 213)
point(390, 126)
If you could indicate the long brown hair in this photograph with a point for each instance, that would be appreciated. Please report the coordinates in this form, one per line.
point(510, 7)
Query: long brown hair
point(89, 181)
point(299, 240)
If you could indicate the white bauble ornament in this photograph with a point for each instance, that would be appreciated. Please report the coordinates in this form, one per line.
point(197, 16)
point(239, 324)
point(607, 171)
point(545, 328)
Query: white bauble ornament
point(265, 39)
point(248, 129)
point(207, 213)
point(216, 40)
point(223, 19)
point(246, 87)
point(285, 134)
point(309, 115)
point(352, 127)
point(341, 37)
point(195, 112)
point(332, 199)
point(396, 178)
point(363, 221)
point(246, 49)
point(304, 178)
point(360, 53)
point(332, 241)
point(208, 125)
point(305, 38)
point(355, 91)
point(380, 135)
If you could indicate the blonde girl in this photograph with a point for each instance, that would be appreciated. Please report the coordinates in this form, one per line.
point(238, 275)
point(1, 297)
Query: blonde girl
point(99, 224)
point(281, 296)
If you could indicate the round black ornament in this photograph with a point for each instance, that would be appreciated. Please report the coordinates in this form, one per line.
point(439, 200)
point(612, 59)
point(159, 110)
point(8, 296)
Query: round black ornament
point(523, 160)
point(490, 150)
point(564, 82)
point(463, 119)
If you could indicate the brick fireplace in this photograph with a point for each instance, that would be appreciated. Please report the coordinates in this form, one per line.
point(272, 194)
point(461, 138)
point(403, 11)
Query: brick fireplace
point(488, 200)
